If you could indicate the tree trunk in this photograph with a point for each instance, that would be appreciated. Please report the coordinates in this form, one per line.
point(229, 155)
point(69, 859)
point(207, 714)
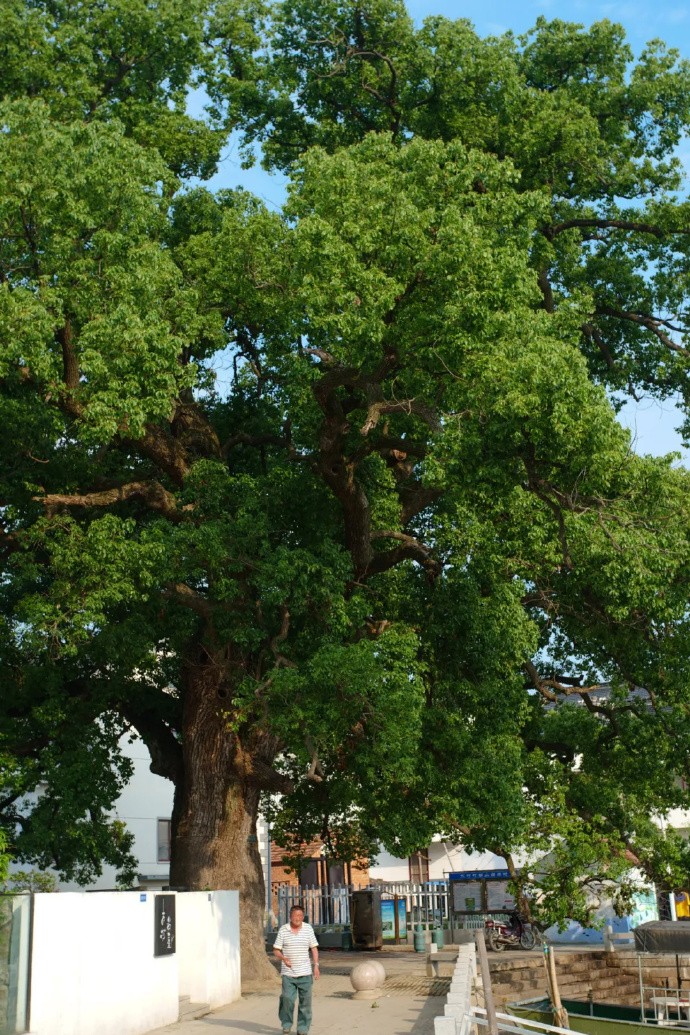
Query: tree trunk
point(214, 841)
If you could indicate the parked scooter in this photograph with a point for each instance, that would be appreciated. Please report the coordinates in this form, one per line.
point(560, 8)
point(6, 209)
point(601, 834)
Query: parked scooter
point(516, 932)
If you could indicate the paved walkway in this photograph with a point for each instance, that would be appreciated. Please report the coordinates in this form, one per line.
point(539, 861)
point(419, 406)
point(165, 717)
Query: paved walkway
point(407, 1006)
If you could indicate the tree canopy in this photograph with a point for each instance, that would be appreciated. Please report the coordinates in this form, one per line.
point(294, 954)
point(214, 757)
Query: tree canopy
point(333, 502)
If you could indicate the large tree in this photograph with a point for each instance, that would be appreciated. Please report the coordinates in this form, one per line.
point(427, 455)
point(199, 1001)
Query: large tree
point(336, 498)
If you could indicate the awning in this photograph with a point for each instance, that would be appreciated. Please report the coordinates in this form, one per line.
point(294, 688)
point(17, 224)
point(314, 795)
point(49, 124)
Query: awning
point(663, 936)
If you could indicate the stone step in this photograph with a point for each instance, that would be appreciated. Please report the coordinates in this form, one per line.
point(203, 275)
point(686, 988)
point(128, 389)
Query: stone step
point(192, 1011)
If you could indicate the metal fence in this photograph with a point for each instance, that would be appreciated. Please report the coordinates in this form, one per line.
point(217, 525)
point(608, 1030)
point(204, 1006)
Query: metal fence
point(329, 904)
point(324, 905)
point(427, 903)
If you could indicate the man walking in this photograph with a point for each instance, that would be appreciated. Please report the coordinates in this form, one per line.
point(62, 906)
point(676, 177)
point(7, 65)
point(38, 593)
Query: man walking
point(292, 946)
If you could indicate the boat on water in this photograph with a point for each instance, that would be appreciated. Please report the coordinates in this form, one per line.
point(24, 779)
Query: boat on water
point(672, 1013)
point(659, 1006)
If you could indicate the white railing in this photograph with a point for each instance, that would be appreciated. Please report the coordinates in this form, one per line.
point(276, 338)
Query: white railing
point(457, 1009)
point(518, 1025)
point(460, 1017)
point(618, 940)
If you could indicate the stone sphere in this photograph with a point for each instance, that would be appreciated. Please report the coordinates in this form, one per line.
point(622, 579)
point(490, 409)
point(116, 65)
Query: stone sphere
point(366, 979)
point(380, 969)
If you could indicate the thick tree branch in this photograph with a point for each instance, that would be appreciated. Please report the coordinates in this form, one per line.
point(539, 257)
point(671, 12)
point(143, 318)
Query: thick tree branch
point(380, 407)
point(163, 746)
point(185, 595)
point(546, 290)
point(593, 334)
point(159, 446)
point(399, 449)
point(552, 689)
point(608, 224)
point(315, 773)
point(654, 324)
point(409, 549)
point(153, 494)
point(253, 769)
point(415, 498)
point(70, 371)
point(280, 659)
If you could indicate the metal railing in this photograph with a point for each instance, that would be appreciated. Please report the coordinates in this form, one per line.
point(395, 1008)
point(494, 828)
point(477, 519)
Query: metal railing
point(426, 903)
point(666, 1005)
point(329, 904)
point(324, 905)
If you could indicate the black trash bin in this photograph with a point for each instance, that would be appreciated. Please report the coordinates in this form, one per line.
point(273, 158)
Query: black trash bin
point(365, 919)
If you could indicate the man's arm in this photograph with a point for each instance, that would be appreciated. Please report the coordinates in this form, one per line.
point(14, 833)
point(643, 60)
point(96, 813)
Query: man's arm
point(278, 953)
point(278, 950)
point(315, 957)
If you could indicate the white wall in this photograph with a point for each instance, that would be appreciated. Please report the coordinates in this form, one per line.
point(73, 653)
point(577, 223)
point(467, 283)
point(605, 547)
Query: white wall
point(93, 968)
point(677, 818)
point(388, 867)
point(444, 858)
point(208, 946)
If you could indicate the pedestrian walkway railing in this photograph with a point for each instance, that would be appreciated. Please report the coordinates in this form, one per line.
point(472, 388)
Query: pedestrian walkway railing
point(457, 1009)
point(515, 1025)
point(461, 1016)
point(455, 1022)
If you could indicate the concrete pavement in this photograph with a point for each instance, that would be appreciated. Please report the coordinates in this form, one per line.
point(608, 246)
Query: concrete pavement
point(407, 1006)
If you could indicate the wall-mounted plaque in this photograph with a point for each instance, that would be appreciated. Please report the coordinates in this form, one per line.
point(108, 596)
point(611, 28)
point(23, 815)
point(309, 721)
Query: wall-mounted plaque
point(164, 925)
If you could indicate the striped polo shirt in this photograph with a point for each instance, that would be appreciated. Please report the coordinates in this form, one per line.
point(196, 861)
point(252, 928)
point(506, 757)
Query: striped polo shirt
point(295, 945)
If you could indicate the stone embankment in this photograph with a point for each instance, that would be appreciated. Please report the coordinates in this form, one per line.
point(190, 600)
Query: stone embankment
point(610, 977)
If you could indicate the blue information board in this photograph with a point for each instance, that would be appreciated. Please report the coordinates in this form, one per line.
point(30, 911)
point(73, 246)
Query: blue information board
point(480, 875)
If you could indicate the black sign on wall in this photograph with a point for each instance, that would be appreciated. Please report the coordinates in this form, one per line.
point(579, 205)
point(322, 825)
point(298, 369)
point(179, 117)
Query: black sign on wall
point(164, 925)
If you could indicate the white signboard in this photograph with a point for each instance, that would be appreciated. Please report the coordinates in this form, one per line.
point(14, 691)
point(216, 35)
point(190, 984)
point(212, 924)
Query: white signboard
point(467, 896)
point(498, 897)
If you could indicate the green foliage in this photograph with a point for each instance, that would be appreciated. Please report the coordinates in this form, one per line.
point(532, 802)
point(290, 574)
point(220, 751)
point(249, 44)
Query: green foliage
point(584, 125)
point(334, 500)
point(31, 880)
point(4, 856)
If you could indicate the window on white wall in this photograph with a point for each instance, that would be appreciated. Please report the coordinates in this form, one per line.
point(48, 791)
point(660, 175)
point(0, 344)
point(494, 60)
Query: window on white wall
point(163, 840)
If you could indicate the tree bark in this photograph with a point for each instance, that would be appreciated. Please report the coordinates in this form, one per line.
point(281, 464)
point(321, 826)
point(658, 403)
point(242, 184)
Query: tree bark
point(214, 840)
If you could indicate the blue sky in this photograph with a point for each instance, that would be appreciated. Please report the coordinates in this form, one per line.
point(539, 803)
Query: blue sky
point(666, 19)
point(652, 423)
